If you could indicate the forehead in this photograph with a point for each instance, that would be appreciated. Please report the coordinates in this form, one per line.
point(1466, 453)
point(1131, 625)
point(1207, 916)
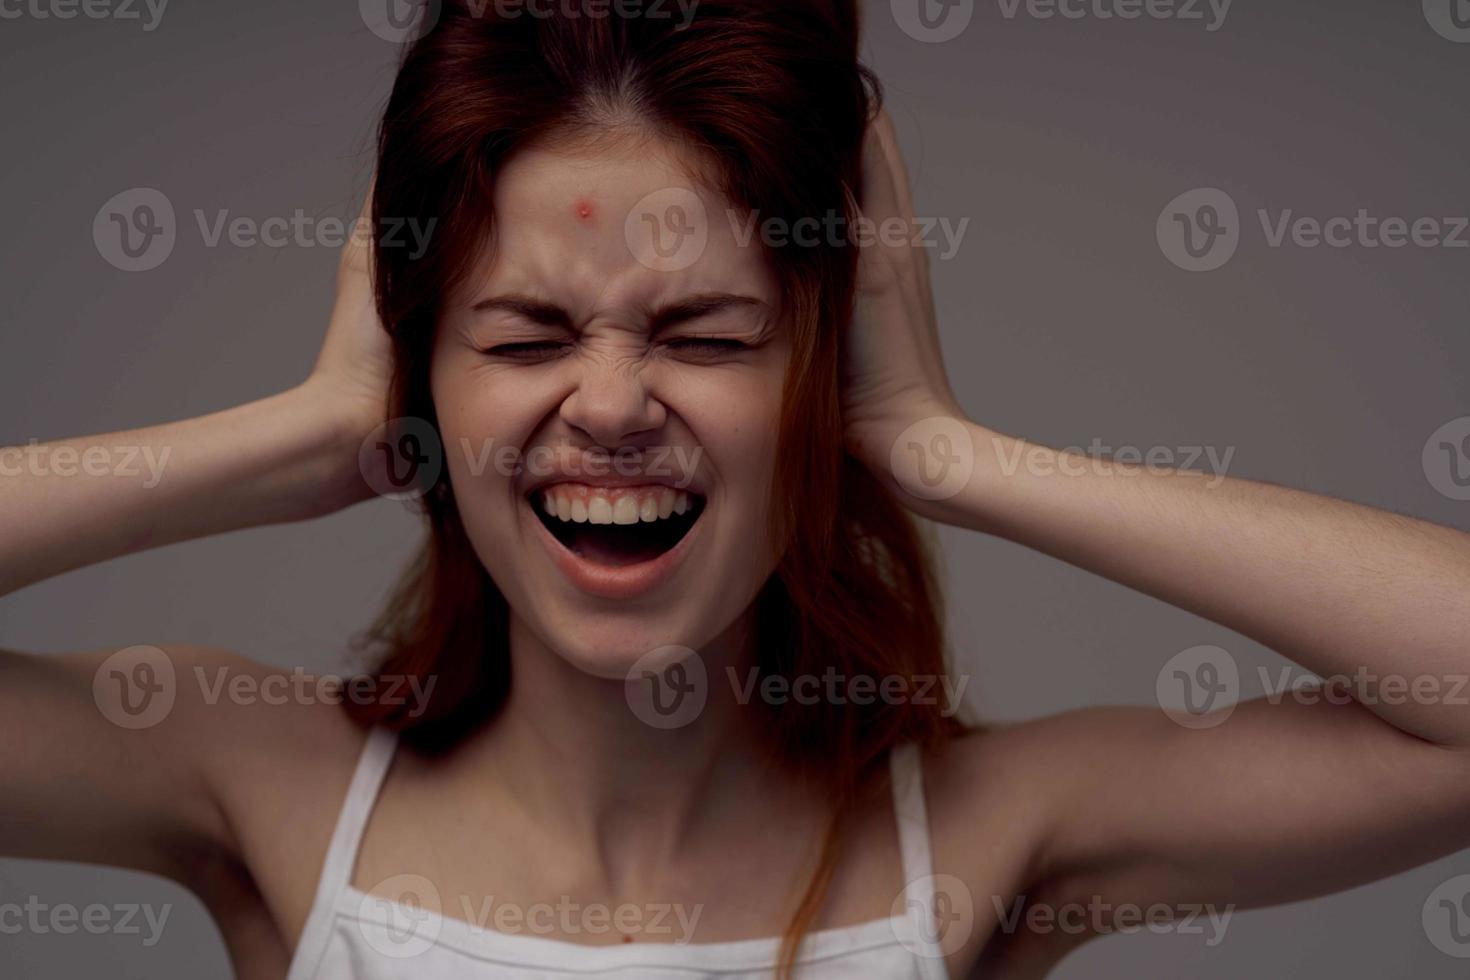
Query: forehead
point(617, 224)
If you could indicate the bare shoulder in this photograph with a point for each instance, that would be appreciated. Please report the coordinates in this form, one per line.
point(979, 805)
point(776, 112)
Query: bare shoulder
point(1266, 801)
point(998, 796)
point(1026, 776)
point(254, 717)
point(277, 751)
point(189, 762)
point(1006, 767)
point(271, 742)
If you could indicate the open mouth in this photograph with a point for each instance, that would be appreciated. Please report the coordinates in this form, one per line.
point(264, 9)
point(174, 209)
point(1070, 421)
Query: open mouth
point(616, 526)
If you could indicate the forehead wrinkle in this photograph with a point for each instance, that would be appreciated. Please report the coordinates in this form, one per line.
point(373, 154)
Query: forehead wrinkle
point(591, 271)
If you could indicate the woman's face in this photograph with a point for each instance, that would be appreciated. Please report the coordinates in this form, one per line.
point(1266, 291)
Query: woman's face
point(609, 403)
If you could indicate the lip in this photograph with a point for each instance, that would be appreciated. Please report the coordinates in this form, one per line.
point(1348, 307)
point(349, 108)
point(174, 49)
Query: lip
point(608, 473)
point(612, 481)
point(607, 581)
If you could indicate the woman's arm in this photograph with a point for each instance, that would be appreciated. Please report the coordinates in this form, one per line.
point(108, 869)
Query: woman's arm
point(1269, 801)
point(291, 456)
point(68, 504)
point(85, 777)
point(1346, 591)
point(1343, 589)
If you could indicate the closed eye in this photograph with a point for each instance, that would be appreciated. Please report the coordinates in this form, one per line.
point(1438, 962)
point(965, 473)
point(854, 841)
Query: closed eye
point(530, 350)
point(707, 345)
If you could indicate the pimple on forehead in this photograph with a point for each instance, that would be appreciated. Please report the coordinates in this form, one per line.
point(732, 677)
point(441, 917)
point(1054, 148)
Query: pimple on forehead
point(583, 208)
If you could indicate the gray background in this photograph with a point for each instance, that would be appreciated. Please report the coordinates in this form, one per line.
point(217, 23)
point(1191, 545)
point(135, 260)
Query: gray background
point(1062, 140)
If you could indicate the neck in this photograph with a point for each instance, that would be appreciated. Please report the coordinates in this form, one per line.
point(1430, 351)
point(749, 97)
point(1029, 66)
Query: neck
point(625, 795)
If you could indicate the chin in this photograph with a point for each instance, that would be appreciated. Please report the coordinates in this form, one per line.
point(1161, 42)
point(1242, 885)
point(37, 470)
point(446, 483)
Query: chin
point(618, 651)
point(609, 577)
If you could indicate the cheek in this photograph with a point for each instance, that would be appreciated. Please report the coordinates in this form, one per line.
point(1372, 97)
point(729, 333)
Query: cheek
point(484, 421)
point(736, 419)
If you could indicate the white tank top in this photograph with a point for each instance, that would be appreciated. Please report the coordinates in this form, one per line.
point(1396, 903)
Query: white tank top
point(351, 935)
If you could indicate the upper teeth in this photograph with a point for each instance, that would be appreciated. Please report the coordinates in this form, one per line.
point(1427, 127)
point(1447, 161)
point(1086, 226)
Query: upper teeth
point(612, 505)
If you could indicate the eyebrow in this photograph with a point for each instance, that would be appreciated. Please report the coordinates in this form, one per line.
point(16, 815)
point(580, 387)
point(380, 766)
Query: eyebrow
point(540, 311)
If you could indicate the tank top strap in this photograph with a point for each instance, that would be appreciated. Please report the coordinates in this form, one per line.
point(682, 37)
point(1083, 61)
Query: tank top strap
point(919, 894)
point(372, 767)
point(906, 771)
point(341, 859)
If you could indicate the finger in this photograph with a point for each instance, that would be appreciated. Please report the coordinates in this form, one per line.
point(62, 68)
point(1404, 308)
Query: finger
point(367, 199)
point(903, 191)
point(356, 255)
point(880, 195)
point(886, 179)
point(898, 173)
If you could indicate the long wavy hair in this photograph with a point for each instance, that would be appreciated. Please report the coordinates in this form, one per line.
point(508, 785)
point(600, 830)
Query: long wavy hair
point(773, 92)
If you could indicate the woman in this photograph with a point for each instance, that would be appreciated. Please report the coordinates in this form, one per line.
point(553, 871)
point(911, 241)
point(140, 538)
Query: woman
point(717, 430)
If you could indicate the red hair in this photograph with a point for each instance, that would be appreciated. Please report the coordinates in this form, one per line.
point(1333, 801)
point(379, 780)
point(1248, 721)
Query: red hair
point(773, 93)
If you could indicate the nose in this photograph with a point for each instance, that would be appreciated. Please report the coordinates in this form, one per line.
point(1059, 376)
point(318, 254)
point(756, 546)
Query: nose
point(611, 404)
